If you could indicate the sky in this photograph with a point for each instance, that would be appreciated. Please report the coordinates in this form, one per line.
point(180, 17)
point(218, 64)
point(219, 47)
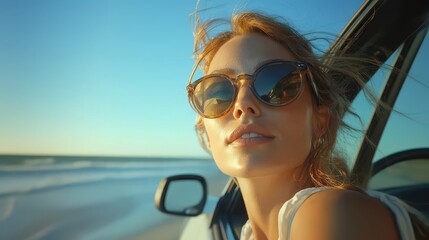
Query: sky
point(108, 77)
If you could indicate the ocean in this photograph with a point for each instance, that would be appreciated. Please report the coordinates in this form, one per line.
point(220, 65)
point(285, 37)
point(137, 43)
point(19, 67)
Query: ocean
point(58, 197)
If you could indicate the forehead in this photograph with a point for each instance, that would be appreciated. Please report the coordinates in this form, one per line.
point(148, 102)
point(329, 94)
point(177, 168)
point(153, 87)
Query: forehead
point(244, 54)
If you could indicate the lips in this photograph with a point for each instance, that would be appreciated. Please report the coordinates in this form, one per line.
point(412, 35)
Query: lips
point(249, 135)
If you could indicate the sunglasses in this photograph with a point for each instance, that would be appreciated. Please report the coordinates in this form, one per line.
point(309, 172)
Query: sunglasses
point(276, 83)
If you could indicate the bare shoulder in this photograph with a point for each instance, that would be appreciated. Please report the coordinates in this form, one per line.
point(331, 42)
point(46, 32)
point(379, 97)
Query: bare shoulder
point(343, 214)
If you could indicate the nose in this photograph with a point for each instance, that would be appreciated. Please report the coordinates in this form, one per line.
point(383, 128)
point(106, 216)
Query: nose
point(246, 103)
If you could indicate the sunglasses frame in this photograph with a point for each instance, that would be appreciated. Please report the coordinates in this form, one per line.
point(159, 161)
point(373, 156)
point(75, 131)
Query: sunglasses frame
point(299, 66)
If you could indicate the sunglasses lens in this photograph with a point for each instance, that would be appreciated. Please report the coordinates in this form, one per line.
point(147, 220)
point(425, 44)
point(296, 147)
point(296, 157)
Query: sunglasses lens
point(278, 84)
point(213, 96)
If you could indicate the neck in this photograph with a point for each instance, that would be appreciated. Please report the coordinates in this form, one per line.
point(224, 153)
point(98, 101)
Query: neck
point(264, 196)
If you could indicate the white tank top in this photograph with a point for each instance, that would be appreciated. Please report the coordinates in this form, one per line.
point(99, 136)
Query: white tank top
point(288, 210)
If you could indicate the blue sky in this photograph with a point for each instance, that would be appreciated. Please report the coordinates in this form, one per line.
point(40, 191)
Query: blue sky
point(108, 77)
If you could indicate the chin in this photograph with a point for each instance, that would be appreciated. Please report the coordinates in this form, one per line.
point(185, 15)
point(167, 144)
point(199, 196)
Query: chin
point(244, 167)
point(258, 166)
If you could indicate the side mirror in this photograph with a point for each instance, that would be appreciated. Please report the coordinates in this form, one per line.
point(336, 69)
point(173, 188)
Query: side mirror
point(183, 195)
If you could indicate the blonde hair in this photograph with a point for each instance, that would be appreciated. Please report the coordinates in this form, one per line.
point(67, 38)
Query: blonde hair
point(322, 167)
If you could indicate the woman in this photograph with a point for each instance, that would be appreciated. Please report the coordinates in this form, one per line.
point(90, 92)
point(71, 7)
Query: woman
point(269, 115)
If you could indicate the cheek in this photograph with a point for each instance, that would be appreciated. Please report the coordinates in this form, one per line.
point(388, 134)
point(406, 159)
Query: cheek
point(217, 136)
point(306, 133)
point(297, 133)
point(214, 142)
point(303, 124)
point(215, 133)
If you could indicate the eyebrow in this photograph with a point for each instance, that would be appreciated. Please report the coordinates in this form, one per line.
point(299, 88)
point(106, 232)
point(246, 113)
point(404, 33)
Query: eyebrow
point(230, 72)
point(226, 71)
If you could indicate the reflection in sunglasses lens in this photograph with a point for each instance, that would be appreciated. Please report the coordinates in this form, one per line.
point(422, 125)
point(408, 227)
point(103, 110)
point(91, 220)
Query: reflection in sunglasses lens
point(214, 95)
point(278, 84)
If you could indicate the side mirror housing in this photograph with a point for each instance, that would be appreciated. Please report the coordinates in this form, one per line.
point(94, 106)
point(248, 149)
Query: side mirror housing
point(183, 195)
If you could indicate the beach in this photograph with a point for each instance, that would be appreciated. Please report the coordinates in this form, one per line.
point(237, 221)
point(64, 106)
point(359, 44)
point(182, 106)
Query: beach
point(92, 199)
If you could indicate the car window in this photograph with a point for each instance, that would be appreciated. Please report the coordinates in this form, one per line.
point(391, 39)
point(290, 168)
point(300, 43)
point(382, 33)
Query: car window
point(408, 125)
point(407, 128)
point(349, 141)
point(409, 121)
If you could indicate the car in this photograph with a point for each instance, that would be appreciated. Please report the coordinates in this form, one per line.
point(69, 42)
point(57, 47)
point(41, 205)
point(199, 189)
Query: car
point(391, 151)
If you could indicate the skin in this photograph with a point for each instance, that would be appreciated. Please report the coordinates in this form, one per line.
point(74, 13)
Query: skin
point(343, 214)
point(270, 163)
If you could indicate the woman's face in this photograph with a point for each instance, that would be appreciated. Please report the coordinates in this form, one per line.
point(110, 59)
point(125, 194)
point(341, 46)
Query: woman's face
point(254, 139)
